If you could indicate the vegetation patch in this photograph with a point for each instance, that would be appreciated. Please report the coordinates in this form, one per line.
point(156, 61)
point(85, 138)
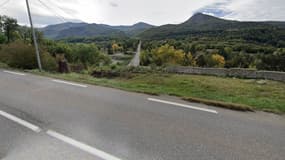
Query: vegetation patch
point(232, 93)
point(232, 106)
point(3, 65)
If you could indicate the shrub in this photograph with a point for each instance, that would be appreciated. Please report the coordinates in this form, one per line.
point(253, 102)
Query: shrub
point(168, 55)
point(146, 58)
point(3, 65)
point(89, 54)
point(48, 62)
point(2, 38)
point(21, 55)
point(218, 60)
point(163, 56)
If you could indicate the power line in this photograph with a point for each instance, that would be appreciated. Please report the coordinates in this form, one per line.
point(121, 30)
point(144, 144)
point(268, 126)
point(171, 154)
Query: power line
point(64, 20)
point(55, 13)
point(60, 8)
point(4, 3)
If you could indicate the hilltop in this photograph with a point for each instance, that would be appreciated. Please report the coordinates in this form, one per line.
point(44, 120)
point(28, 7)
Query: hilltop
point(77, 30)
point(202, 25)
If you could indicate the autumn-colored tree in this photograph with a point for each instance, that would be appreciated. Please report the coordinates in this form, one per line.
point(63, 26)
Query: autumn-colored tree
point(167, 54)
point(116, 47)
point(189, 60)
point(218, 60)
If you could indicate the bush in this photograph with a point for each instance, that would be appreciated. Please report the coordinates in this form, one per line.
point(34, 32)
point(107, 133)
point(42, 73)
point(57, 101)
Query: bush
point(275, 62)
point(3, 65)
point(48, 62)
point(114, 71)
point(217, 60)
point(89, 55)
point(77, 68)
point(22, 56)
point(164, 56)
point(2, 38)
point(106, 72)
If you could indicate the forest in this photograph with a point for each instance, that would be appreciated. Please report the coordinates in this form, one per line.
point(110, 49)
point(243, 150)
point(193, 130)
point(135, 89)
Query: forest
point(255, 49)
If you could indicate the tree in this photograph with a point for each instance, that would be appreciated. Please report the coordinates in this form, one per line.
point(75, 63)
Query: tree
point(26, 35)
point(210, 60)
point(116, 47)
point(168, 55)
point(146, 58)
point(88, 54)
point(2, 38)
point(201, 60)
point(275, 62)
point(21, 55)
point(217, 60)
point(59, 48)
point(189, 60)
point(241, 60)
point(8, 26)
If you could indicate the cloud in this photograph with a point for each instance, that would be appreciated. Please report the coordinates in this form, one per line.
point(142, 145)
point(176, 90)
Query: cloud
point(113, 4)
point(248, 10)
point(157, 12)
point(217, 9)
point(257, 10)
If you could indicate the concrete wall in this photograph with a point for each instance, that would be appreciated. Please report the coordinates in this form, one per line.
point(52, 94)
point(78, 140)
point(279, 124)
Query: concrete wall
point(232, 72)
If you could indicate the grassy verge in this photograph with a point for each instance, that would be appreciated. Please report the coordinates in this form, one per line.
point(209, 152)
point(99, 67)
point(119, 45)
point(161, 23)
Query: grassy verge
point(232, 106)
point(238, 94)
point(3, 65)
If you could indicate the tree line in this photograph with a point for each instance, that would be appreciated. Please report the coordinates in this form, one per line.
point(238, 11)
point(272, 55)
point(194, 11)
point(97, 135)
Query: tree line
point(16, 50)
point(210, 52)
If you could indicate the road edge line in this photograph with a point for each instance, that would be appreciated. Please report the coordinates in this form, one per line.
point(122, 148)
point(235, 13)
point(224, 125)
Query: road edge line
point(15, 73)
point(21, 121)
point(69, 83)
point(183, 105)
point(81, 146)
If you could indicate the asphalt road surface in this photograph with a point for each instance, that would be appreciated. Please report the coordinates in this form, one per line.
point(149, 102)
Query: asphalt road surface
point(43, 118)
point(136, 60)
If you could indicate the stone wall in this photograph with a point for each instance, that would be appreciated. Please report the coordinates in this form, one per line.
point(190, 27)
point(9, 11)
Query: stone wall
point(232, 72)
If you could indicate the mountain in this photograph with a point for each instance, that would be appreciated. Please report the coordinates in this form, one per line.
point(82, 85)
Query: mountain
point(52, 31)
point(67, 30)
point(206, 25)
point(90, 30)
point(134, 29)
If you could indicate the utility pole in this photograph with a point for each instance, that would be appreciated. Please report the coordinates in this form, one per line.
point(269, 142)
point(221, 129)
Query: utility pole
point(34, 37)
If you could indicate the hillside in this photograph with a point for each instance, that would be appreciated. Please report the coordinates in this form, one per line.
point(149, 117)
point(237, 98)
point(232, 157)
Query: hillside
point(202, 25)
point(67, 30)
point(52, 31)
point(134, 29)
point(90, 30)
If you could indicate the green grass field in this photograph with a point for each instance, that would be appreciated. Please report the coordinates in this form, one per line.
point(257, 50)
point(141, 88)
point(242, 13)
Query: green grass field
point(258, 94)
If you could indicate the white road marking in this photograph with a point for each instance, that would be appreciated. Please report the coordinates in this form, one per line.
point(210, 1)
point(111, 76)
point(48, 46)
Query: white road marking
point(20, 121)
point(182, 105)
point(69, 83)
point(82, 146)
point(15, 73)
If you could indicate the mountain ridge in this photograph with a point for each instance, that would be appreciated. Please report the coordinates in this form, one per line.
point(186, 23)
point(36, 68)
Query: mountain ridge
point(78, 30)
point(205, 24)
point(199, 24)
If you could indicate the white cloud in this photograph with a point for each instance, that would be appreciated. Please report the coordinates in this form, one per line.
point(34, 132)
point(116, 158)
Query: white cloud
point(257, 10)
point(152, 11)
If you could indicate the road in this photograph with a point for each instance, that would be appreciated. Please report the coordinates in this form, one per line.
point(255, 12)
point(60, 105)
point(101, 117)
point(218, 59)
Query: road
point(42, 118)
point(136, 60)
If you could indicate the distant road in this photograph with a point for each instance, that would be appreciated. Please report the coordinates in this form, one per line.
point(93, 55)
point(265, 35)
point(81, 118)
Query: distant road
point(136, 60)
point(44, 118)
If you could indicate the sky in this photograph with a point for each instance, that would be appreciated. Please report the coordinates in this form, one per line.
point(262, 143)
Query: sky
point(127, 12)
